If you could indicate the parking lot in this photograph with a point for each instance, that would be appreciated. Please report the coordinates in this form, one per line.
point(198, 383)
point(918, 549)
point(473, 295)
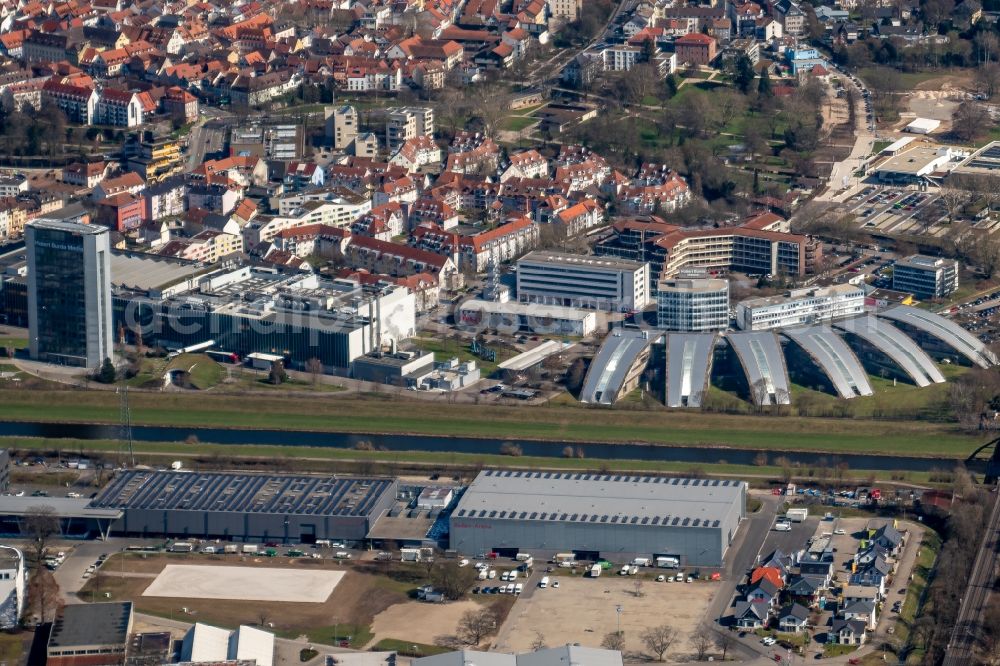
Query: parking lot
point(582, 610)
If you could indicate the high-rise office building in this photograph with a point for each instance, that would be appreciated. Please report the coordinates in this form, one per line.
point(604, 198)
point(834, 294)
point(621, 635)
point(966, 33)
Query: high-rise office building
point(69, 292)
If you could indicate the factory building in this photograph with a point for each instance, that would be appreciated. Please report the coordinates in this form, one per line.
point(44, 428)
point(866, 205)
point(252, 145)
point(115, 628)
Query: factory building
point(574, 280)
point(246, 507)
point(248, 310)
point(599, 515)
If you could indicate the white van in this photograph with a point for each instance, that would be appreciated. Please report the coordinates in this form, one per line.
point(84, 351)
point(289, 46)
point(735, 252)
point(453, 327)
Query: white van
point(544, 582)
point(519, 588)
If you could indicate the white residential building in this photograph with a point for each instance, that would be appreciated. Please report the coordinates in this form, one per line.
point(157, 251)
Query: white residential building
point(800, 307)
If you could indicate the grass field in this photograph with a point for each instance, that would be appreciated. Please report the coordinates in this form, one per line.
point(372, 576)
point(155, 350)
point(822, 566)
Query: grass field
point(204, 373)
point(450, 348)
point(563, 423)
point(518, 123)
point(405, 648)
point(13, 343)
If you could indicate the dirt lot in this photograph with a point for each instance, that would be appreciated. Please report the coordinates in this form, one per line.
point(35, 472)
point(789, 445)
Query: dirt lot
point(362, 594)
point(420, 622)
point(582, 610)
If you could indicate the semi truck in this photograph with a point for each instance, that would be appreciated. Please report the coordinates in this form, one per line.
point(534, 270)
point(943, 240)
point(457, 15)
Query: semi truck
point(250, 549)
point(595, 571)
point(642, 562)
point(181, 547)
point(667, 562)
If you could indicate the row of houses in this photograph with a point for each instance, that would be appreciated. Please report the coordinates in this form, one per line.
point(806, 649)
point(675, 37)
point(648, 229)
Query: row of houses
point(789, 592)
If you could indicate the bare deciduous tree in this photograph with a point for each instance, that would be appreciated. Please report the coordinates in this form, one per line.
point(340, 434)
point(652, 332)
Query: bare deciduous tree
point(724, 641)
point(614, 640)
point(314, 367)
point(476, 625)
point(44, 599)
point(701, 643)
point(539, 642)
point(659, 639)
point(40, 523)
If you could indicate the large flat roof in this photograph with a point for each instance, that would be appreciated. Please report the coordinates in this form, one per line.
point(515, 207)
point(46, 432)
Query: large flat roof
point(903, 351)
point(913, 161)
point(599, 498)
point(243, 493)
point(582, 261)
point(764, 366)
point(689, 360)
point(983, 162)
point(64, 507)
point(144, 272)
point(945, 330)
point(92, 624)
point(834, 357)
point(525, 360)
point(611, 366)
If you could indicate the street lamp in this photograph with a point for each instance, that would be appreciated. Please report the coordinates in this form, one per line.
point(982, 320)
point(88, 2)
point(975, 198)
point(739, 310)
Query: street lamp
point(618, 611)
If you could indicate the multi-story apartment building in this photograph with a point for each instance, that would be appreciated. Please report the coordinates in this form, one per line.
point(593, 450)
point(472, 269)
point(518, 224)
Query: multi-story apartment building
point(404, 123)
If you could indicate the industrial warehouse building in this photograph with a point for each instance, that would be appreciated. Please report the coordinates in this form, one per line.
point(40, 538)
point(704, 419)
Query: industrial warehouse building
point(246, 507)
point(599, 515)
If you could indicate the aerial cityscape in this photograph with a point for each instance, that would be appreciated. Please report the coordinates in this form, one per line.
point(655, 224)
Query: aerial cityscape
point(499, 332)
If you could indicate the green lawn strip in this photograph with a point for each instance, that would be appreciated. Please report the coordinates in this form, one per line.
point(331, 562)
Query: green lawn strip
point(357, 636)
point(518, 123)
point(300, 455)
point(837, 650)
point(409, 648)
point(922, 571)
point(13, 343)
point(563, 423)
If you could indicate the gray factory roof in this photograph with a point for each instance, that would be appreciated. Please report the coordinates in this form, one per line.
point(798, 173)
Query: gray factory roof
point(689, 361)
point(598, 498)
point(944, 330)
point(764, 366)
point(903, 351)
point(144, 272)
point(832, 354)
point(243, 493)
point(610, 368)
point(92, 624)
point(64, 507)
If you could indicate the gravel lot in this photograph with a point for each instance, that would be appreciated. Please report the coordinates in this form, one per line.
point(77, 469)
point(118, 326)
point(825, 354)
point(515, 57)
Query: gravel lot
point(243, 583)
point(582, 610)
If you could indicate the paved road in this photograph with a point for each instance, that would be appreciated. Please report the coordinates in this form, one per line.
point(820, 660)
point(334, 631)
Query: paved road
point(863, 141)
point(753, 542)
point(964, 636)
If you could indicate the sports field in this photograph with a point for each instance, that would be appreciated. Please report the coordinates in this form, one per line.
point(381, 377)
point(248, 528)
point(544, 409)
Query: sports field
point(191, 581)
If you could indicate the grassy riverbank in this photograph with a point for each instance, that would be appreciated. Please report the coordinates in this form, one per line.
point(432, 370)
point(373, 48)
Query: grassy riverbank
point(393, 415)
point(326, 459)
